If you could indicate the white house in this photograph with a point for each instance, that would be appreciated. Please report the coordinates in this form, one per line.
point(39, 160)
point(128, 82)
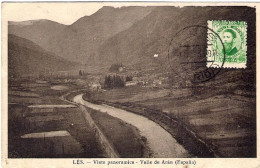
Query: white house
point(131, 83)
point(95, 86)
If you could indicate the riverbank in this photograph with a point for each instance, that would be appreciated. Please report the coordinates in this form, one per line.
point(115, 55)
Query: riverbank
point(183, 133)
point(117, 136)
point(159, 140)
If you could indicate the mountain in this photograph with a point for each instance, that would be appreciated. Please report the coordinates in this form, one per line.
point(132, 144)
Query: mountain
point(133, 35)
point(136, 46)
point(79, 41)
point(153, 33)
point(37, 31)
point(27, 58)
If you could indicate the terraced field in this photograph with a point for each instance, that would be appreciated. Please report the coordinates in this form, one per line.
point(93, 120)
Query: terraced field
point(42, 125)
point(225, 121)
point(229, 123)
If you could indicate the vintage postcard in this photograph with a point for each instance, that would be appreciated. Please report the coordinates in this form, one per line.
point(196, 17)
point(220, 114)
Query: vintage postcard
point(129, 84)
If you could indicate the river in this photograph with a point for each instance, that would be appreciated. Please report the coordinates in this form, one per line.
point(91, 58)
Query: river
point(159, 140)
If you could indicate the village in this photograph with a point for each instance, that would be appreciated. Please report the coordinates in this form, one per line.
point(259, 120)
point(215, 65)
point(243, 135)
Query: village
point(96, 82)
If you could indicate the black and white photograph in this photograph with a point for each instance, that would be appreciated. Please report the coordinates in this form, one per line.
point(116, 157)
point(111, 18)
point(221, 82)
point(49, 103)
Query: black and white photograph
point(130, 81)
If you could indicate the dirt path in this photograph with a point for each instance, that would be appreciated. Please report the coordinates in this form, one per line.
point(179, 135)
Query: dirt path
point(160, 141)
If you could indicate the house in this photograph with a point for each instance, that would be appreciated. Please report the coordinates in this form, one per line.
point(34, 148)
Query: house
point(121, 69)
point(131, 83)
point(157, 82)
point(95, 86)
point(41, 81)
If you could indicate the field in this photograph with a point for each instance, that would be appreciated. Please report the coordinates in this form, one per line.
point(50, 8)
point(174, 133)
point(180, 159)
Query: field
point(124, 137)
point(208, 124)
point(225, 123)
point(36, 108)
point(42, 125)
point(130, 94)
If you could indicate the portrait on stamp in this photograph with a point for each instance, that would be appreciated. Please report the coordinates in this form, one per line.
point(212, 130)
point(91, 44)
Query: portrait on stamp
point(229, 38)
point(232, 49)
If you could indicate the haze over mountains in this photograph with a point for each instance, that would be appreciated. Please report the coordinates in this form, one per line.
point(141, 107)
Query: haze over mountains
point(79, 41)
point(127, 35)
point(27, 58)
point(152, 34)
point(38, 31)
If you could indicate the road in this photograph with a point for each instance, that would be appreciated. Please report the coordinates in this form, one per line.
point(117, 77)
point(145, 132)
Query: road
point(159, 140)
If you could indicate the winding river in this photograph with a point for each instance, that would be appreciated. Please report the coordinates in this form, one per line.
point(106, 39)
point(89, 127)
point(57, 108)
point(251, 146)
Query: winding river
point(159, 140)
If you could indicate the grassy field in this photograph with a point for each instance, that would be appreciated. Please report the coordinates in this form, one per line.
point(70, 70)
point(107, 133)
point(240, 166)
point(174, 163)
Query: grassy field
point(224, 121)
point(28, 114)
point(219, 120)
point(24, 120)
point(125, 138)
point(130, 94)
point(206, 123)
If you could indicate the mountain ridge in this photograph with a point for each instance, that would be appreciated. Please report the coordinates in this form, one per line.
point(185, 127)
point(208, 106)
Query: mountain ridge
point(153, 33)
point(26, 58)
point(80, 40)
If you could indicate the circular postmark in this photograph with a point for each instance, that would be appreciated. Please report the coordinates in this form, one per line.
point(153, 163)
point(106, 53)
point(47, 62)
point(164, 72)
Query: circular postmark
point(190, 55)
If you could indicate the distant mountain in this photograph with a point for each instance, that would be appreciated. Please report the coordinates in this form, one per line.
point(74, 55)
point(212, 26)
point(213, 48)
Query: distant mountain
point(133, 35)
point(27, 58)
point(151, 36)
point(79, 41)
point(153, 33)
point(38, 31)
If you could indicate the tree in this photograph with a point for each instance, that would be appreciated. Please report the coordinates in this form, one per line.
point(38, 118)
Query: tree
point(109, 81)
point(115, 67)
point(114, 81)
point(128, 78)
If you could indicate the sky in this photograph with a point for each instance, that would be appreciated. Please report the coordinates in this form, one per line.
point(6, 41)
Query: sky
point(65, 13)
point(61, 12)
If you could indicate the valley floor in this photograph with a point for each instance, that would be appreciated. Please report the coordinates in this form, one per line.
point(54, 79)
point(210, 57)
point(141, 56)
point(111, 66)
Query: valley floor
point(162, 144)
point(41, 124)
point(226, 123)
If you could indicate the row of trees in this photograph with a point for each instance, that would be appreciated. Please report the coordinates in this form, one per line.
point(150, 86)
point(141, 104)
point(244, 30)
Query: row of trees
point(114, 81)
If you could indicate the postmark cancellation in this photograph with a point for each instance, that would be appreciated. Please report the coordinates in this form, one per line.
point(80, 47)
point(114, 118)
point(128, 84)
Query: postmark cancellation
point(230, 48)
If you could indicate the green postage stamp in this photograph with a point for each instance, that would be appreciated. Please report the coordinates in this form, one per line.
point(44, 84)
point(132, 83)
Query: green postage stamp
point(227, 46)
